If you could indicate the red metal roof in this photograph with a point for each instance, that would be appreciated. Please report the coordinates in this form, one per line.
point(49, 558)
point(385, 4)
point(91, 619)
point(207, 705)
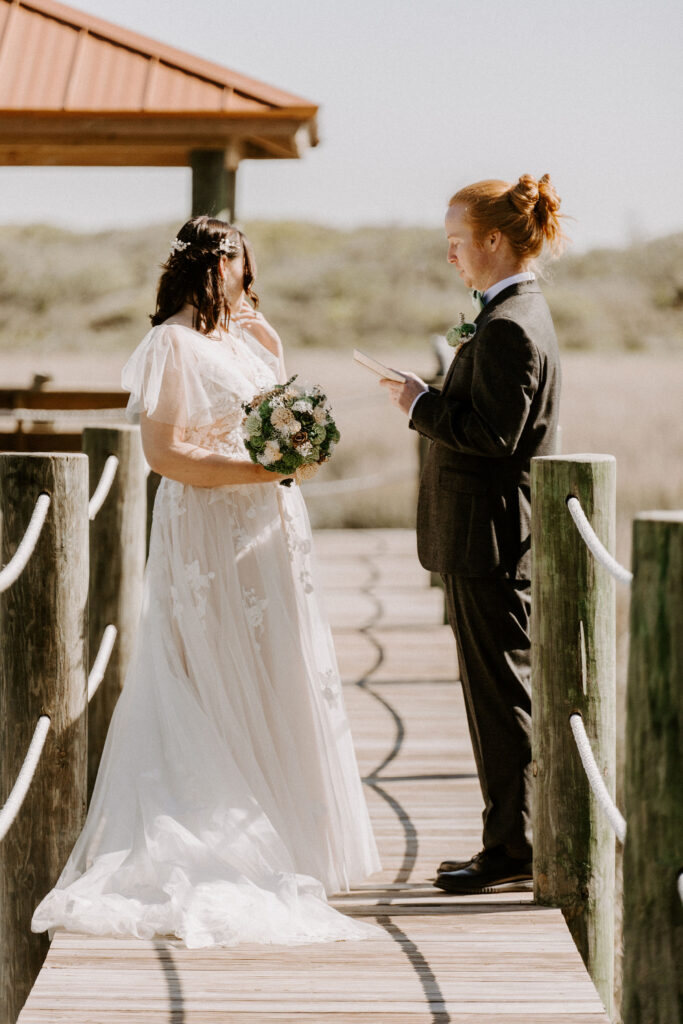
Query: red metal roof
point(71, 80)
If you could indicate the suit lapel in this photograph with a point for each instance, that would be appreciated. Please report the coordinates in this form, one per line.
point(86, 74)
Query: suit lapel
point(520, 288)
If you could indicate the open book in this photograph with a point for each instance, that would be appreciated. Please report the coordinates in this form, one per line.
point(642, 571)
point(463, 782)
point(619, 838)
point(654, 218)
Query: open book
point(376, 367)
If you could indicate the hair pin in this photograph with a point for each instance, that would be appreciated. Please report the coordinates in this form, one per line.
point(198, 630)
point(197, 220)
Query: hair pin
point(178, 246)
point(229, 246)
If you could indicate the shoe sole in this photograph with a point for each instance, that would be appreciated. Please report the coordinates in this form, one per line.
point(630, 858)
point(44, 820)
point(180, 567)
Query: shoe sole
point(516, 885)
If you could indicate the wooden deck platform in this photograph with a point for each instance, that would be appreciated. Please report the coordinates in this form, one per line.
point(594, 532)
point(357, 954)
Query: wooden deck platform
point(469, 960)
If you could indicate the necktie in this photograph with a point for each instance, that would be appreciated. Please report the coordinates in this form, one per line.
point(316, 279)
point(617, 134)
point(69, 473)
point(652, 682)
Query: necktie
point(478, 300)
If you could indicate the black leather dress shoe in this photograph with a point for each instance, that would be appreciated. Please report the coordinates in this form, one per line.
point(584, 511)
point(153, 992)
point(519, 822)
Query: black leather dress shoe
point(455, 865)
point(489, 871)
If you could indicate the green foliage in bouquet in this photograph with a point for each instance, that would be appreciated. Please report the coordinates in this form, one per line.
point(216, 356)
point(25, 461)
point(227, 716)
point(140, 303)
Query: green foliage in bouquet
point(289, 429)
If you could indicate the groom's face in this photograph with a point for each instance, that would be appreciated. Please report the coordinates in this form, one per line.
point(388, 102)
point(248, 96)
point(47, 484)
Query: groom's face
point(464, 253)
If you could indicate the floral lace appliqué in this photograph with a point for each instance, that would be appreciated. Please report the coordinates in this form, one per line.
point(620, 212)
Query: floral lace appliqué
point(299, 548)
point(198, 584)
point(295, 542)
point(254, 608)
point(170, 499)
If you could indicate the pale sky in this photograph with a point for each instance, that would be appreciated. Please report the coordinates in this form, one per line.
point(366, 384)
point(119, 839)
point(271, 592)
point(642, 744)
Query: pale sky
point(418, 99)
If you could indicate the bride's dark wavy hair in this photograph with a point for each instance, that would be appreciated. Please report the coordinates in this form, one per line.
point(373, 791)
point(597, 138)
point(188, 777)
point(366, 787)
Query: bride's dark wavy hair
point(191, 274)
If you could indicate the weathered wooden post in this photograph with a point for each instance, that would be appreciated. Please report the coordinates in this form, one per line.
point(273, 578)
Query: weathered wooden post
point(153, 481)
point(653, 851)
point(214, 182)
point(43, 671)
point(117, 565)
point(573, 633)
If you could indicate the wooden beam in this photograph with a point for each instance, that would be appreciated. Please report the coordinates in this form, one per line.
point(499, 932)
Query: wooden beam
point(279, 148)
point(101, 155)
point(50, 397)
point(185, 126)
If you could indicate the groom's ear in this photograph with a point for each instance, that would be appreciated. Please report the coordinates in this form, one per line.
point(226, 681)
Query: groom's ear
point(493, 240)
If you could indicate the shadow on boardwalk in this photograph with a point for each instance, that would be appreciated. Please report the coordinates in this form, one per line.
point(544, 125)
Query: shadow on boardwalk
point(489, 959)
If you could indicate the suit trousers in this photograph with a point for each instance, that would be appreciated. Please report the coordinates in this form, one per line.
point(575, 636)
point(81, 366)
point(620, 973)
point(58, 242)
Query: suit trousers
point(490, 620)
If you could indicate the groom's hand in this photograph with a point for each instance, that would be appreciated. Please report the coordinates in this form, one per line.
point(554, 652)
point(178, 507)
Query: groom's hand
point(403, 395)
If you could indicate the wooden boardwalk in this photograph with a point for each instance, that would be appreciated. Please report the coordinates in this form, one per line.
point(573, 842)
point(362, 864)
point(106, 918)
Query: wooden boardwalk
point(467, 960)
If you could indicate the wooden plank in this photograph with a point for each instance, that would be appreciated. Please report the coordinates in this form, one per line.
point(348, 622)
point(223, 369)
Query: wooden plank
point(489, 959)
point(50, 397)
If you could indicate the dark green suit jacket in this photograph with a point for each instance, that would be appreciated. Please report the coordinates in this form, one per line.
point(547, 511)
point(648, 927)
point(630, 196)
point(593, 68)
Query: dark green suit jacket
point(498, 407)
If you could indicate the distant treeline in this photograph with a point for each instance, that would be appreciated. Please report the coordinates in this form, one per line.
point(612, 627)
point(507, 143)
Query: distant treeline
point(377, 286)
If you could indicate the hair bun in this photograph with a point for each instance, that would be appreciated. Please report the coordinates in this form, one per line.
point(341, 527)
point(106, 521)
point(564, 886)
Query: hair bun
point(538, 201)
point(548, 202)
point(524, 195)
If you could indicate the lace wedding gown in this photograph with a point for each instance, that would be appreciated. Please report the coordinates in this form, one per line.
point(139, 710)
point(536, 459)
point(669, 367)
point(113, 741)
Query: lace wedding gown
point(228, 800)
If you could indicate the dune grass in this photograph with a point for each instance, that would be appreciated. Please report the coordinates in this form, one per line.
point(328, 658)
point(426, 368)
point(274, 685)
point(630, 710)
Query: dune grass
point(324, 288)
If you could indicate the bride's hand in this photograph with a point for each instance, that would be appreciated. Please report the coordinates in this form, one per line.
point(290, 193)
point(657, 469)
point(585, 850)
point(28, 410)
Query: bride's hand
point(254, 322)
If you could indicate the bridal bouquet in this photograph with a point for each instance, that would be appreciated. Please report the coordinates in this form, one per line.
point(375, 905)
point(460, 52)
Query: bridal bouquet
point(289, 429)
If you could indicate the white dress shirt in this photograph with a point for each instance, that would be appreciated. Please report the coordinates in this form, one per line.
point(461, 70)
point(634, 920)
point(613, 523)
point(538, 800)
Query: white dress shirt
point(490, 293)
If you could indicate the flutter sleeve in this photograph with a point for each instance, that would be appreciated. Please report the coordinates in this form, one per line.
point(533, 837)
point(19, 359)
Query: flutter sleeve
point(164, 377)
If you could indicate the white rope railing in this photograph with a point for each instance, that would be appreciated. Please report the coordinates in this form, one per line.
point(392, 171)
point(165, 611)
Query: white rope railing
point(597, 784)
point(102, 660)
point(352, 483)
point(24, 779)
point(103, 486)
point(18, 562)
point(595, 545)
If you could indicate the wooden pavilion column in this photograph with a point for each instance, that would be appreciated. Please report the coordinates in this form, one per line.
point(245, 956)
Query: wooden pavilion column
point(214, 180)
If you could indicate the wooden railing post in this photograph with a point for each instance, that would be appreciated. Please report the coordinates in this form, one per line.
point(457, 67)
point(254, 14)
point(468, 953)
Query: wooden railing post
point(117, 564)
point(153, 481)
point(43, 659)
point(573, 632)
point(653, 851)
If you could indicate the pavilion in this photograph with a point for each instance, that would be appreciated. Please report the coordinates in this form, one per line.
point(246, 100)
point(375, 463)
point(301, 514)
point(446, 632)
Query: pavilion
point(79, 91)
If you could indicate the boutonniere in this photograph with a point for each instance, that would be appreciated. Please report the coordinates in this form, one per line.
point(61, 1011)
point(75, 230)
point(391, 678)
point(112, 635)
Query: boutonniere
point(460, 333)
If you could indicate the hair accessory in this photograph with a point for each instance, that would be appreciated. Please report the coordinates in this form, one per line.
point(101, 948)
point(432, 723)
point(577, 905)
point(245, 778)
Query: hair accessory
point(230, 246)
point(178, 246)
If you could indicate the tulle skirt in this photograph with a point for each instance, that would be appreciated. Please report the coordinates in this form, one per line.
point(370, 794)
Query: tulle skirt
point(228, 800)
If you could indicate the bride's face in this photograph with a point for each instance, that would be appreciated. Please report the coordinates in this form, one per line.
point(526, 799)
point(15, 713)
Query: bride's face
point(231, 270)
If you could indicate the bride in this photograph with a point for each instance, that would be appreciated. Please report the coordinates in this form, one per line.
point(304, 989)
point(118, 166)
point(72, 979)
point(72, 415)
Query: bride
point(228, 800)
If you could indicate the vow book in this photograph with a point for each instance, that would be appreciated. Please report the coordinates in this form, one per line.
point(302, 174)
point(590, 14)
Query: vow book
point(376, 367)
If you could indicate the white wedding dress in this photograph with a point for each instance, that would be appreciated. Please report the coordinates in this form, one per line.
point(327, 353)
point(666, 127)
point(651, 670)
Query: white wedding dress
point(228, 799)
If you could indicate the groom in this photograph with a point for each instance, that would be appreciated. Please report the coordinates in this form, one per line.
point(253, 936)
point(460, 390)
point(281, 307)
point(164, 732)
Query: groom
point(496, 410)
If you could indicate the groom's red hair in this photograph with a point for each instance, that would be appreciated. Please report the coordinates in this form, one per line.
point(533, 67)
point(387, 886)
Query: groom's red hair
point(526, 213)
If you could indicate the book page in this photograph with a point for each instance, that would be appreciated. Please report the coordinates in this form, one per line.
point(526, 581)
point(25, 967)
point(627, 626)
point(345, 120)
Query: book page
point(376, 367)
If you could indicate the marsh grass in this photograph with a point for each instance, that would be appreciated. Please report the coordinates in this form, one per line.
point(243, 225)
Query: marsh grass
point(324, 288)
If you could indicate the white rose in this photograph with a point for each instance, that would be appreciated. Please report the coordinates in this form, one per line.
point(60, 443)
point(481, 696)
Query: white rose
point(270, 454)
point(305, 449)
point(320, 414)
point(302, 406)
